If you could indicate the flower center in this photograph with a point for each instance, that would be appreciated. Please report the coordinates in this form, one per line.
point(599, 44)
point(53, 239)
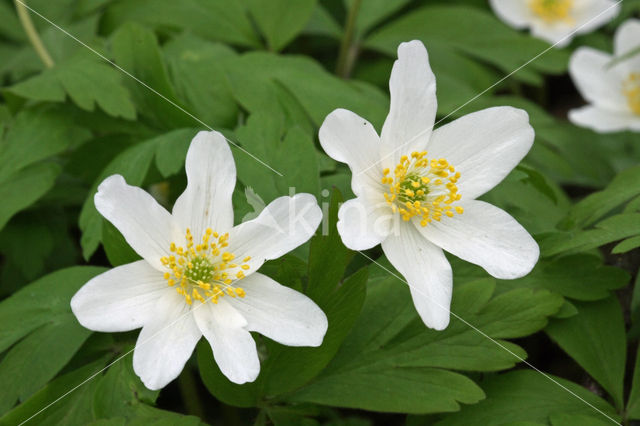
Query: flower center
point(204, 271)
point(422, 188)
point(552, 10)
point(631, 89)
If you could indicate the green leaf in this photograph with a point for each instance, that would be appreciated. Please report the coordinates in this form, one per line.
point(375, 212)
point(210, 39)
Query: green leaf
point(303, 79)
point(35, 135)
point(595, 338)
point(32, 137)
point(217, 20)
point(566, 419)
point(197, 69)
point(120, 391)
point(41, 302)
point(372, 12)
point(280, 21)
point(24, 188)
point(40, 311)
point(397, 344)
point(633, 404)
point(621, 189)
point(408, 390)
point(265, 138)
point(76, 405)
point(136, 50)
point(626, 245)
point(612, 229)
point(528, 396)
point(578, 276)
point(86, 80)
point(474, 32)
point(36, 359)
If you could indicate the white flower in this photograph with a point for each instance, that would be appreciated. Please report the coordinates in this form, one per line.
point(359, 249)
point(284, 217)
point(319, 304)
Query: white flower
point(611, 87)
point(434, 193)
point(555, 20)
point(192, 258)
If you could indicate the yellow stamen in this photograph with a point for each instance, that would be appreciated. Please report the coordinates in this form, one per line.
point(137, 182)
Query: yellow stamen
point(552, 11)
point(423, 188)
point(198, 268)
point(631, 89)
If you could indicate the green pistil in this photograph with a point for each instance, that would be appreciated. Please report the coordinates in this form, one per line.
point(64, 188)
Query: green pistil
point(407, 184)
point(202, 270)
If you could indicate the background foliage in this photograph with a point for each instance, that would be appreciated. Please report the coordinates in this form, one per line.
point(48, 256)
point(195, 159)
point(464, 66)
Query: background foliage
point(266, 73)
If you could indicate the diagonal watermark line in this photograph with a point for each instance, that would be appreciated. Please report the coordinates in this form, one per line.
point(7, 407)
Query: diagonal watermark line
point(428, 129)
point(482, 333)
point(35, 12)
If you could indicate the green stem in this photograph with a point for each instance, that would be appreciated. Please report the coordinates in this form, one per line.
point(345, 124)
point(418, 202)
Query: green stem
point(34, 38)
point(189, 392)
point(347, 54)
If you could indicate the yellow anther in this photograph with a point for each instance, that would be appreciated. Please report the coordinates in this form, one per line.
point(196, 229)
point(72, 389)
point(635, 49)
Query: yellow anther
point(240, 292)
point(631, 89)
point(166, 275)
point(552, 10)
point(172, 247)
point(171, 282)
point(459, 210)
point(240, 275)
point(422, 187)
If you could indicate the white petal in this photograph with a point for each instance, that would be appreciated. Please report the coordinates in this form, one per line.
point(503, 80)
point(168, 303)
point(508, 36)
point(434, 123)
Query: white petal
point(283, 225)
point(604, 121)
point(279, 312)
point(483, 146)
point(233, 347)
point(558, 34)
point(427, 272)
point(121, 299)
point(596, 82)
point(166, 343)
point(487, 236)
point(145, 224)
point(211, 177)
point(364, 223)
point(515, 13)
point(413, 104)
point(350, 139)
point(626, 39)
point(594, 14)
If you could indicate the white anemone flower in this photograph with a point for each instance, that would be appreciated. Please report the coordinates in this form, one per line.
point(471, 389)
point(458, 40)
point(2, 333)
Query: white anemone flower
point(611, 84)
point(556, 21)
point(198, 273)
point(430, 180)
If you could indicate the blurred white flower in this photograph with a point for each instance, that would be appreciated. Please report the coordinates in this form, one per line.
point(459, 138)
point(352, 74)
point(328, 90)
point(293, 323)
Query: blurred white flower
point(610, 84)
point(554, 20)
point(198, 276)
point(429, 180)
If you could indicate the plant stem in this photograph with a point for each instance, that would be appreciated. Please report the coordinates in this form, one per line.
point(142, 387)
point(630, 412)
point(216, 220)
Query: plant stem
point(347, 52)
point(34, 38)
